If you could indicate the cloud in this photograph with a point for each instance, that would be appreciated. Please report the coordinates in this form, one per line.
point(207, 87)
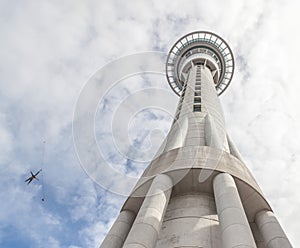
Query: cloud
point(50, 49)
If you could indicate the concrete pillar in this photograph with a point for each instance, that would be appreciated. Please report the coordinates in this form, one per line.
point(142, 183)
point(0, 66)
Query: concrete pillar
point(211, 134)
point(232, 148)
point(271, 231)
point(145, 229)
point(235, 229)
point(119, 231)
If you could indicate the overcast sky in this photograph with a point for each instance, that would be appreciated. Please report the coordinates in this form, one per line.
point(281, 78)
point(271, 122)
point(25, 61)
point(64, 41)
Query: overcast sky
point(50, 51)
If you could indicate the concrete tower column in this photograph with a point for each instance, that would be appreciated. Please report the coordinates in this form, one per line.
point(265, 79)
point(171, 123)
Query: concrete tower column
point(235, 229)
point(145, 229)
point(271, 231)
point(119, 231)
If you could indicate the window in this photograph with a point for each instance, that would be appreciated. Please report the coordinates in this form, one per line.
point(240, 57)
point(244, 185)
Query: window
point(197, 100)
point(197, 108)
point(197, 93)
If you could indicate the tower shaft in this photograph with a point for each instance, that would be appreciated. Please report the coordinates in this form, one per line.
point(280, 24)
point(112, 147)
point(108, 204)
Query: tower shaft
point(199, 112)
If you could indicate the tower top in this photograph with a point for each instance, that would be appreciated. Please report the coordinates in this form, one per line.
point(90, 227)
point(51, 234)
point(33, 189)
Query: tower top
point(200, 47)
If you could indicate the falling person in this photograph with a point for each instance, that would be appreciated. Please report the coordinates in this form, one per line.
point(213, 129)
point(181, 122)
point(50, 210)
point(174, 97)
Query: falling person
point(33, 176)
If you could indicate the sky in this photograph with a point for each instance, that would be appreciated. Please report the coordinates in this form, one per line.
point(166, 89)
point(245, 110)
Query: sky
point(55, 53)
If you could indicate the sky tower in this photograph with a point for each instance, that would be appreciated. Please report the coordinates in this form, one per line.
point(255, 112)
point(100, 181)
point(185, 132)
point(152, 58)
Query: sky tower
point(197, 192)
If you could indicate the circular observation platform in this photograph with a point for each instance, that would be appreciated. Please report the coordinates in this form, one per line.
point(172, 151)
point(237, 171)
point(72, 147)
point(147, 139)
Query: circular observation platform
point(200, 47)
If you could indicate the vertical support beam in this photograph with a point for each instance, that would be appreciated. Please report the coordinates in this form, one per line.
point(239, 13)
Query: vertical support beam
point(271, 231)
point(216, 132)
point(145, 229)
point(232, 148)
point(119, 231)
point(235, 227)
point(211, 134)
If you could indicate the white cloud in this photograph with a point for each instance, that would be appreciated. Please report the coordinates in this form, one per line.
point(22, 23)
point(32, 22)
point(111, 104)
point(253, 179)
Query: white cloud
point(49, 49)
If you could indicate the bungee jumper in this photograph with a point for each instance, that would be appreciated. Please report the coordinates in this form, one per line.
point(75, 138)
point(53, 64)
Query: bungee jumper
point(33, 176)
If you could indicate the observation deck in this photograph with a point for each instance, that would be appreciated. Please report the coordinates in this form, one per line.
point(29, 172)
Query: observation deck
point(200, 47)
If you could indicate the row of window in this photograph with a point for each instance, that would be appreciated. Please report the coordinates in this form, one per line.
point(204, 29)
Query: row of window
point(180, 101)
point(197, 97)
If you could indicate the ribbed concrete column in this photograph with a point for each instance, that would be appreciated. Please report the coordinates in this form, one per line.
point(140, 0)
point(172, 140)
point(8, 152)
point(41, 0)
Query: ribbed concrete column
point(119, 231)
point(235, 229)
point(145, 229)
point(211, 134)
point(271, 231)
point(232, 148)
